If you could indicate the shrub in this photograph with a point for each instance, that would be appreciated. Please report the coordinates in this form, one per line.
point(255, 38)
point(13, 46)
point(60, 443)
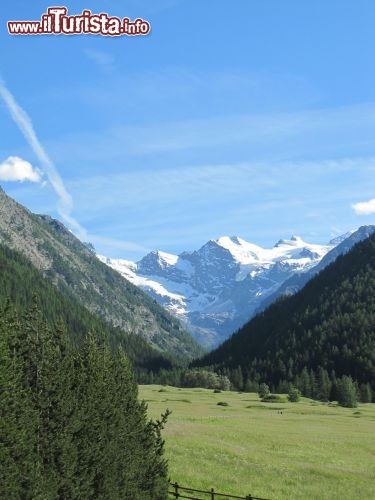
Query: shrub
point(273, 398)
point(223, 403)
point(264, 391)
point(205, 379)
point(294, 395)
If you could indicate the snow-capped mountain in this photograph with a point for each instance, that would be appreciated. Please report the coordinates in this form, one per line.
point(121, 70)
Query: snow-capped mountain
point(341, 245)
point(217, 288)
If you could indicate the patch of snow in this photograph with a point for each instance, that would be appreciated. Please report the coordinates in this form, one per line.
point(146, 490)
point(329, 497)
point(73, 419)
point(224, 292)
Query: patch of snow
point(167, 258)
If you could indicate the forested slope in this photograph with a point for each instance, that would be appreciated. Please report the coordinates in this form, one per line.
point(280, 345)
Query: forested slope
point(21, 283)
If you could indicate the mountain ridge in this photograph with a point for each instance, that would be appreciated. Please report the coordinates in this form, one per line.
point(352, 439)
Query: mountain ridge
point(343, 244)
point(76, 271)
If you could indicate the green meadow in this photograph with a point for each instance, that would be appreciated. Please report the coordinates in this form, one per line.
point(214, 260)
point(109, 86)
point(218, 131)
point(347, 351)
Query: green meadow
point(305, 450)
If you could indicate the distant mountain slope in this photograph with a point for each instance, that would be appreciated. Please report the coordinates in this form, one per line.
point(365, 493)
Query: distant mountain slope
point(75, 270)
point(298, 281)
point(217, 288)
point(329, 324)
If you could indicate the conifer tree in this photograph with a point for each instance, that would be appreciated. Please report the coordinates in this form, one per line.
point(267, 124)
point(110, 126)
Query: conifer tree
point(323, 385)
point(365, 393)
point(18, 422)
point(347, 394)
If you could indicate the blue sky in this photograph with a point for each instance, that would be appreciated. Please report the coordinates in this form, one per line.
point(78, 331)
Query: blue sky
point(253, 118)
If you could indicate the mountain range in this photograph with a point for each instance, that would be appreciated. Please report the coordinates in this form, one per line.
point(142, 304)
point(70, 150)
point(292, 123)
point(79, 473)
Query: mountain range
point(217, 288)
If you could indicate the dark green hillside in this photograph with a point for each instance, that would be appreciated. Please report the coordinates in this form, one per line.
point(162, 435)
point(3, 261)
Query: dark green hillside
point(327, 329)
point(20, 282)
point(75, 270)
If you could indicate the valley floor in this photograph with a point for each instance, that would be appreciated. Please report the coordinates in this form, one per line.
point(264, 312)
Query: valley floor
point(280, 451)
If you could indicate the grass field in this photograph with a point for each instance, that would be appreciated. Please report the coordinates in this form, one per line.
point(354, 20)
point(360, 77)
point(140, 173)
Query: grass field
point(309, 451)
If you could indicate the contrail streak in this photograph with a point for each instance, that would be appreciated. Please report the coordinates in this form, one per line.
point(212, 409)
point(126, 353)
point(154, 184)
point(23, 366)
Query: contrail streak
point(24, 123)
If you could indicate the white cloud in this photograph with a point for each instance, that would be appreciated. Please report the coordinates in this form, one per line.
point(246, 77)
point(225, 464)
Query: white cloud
point(364, 207)
point(24, 123)
point(17, 169)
